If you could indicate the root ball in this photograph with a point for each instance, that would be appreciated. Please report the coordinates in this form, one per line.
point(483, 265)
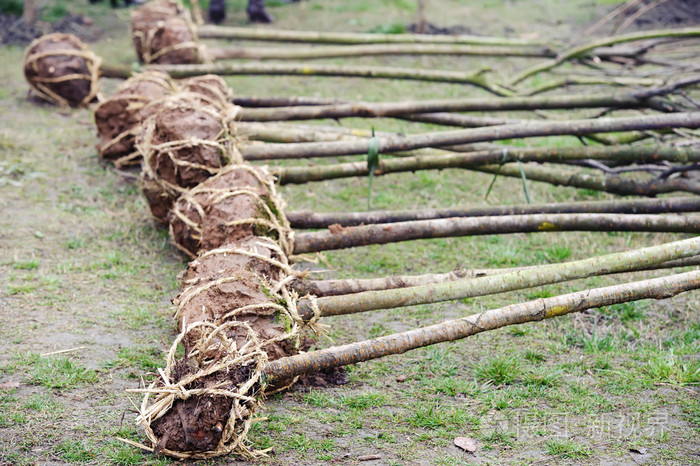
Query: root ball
point(118, 118)
point(237, 203)
point(62, 70)
point(183, 143)
point(163, 33)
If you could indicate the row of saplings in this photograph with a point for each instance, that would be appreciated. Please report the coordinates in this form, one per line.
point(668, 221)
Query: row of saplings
point(236, 310)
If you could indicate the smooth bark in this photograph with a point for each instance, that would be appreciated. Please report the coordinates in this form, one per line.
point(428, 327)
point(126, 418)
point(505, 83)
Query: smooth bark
point(482, 286)
point(315, 361)
point(307, 220)
point(350, 237)
point(470, 136)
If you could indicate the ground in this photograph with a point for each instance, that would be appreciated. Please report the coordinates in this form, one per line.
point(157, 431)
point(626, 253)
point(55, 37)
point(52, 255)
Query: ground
point(83, 268)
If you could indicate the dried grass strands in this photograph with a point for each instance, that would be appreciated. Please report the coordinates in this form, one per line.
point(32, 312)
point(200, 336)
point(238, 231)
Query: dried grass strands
point(624, 153)
point(219, 32)
point(658, 288)
point(303, 219)
point(321, 288)
point(342, 238)
point(470, 136)
point(62, 70)
point(482, 286)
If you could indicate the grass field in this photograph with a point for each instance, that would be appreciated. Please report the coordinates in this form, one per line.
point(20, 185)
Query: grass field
point(83, 267)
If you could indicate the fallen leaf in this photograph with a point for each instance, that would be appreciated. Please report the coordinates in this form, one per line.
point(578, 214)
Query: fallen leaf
point(466, 444)
point(639, 450)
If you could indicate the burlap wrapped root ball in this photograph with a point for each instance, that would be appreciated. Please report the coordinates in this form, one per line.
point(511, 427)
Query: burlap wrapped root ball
point(235, 314)
point(119, 117)
point(238, 202)
point(62, 70)
point(211, 87)
point(185, 142)
point(163, 33)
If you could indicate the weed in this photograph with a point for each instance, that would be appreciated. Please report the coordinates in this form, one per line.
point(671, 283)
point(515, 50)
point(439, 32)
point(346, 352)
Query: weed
point(75, 451)
point(434, 416)
point(499, 370)
point(499, 437)
point(59, 372)
point(671, 368)
point(567, 448)
point(30, 264)
point(319, 398)
point(145, 359)
point(363, 401)
point(534, 356)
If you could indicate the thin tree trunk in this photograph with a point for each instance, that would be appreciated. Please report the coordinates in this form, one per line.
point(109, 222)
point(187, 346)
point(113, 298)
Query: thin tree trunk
point(482, 286)
point(388, 109)
point(306, 220)
point(629, 154)
point(364, 235)
point(585, 48)
point(246, 33)
point(322, 288)
point(315, 361)
point(613, 184)
point(469, 136)
point(277, 101)
point(29, 12)
point(297, 53)
point(309, 69)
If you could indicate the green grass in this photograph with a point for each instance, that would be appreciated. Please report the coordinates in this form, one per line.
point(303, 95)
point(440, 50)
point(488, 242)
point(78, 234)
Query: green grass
point(567, 449)
point(498, 370)
point(57, 371)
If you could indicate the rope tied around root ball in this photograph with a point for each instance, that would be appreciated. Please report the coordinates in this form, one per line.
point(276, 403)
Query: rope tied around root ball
point(189, 215)
point(52, 76)
point(163, 32)
point(186, 141)
point(226, 355)
point(118, 118)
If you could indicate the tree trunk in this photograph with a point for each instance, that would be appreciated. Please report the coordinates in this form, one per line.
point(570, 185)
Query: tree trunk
point(29, 12)
point(629, 154)
point(300, 53)
point(322, 288)
point(247, 33)
point(305, 69)
point(609, 183)
point(469, 136)
point(390, 109)
point(315, 361)
point(364, 235)
point(308, 220)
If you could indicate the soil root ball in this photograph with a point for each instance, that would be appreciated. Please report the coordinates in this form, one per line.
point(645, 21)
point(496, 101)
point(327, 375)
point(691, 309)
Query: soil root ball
point(238, 202)
point(185, 142)
point(163, 33)
point(209, 86)
point(118, 118)
point(236, 314)
point(62, 70)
